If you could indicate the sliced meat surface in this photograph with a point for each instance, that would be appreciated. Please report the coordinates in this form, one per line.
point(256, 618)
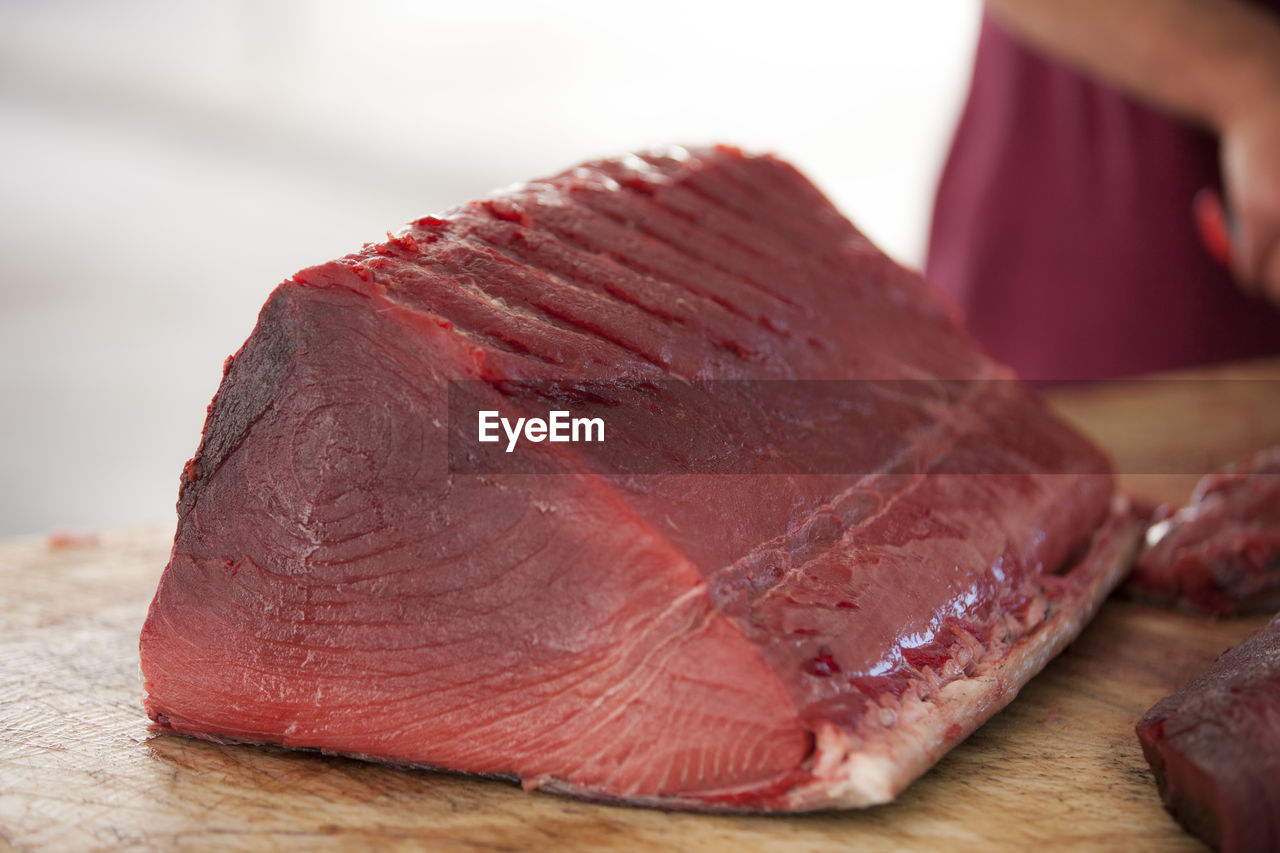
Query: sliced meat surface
point(1221, 553)
point(813, 636)
point(1214, 747)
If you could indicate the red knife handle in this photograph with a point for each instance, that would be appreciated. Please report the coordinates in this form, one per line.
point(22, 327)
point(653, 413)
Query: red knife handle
point(1214, 225)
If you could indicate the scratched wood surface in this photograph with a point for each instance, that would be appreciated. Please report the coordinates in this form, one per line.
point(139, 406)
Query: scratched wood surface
point(1059, 768)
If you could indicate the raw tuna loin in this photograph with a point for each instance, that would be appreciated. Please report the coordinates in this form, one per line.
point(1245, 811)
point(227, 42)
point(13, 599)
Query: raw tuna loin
point(793, 640)
point(1214, 747)
point(1220, 554)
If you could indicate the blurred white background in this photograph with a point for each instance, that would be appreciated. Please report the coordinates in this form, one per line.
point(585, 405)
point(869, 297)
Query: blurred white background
point(166, 164)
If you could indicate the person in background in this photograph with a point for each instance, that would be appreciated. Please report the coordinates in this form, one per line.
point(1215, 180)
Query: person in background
point(1063, 223)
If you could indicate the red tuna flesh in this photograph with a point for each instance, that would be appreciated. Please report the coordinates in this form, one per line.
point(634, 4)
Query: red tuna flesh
point(1221, 553)
point(772, 641)
point(1214, 747)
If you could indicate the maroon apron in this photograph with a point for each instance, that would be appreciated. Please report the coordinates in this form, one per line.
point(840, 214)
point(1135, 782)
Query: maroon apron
point(1063, 228)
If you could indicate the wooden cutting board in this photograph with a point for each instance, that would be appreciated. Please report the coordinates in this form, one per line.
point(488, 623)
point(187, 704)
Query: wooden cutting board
point(1059, 768)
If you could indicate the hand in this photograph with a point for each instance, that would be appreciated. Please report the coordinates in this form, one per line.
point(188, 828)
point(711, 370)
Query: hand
point(1251, 179)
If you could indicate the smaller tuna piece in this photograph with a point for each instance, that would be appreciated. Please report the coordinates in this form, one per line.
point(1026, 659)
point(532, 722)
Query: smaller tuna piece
point(1214, 747)
point(1221, 553)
